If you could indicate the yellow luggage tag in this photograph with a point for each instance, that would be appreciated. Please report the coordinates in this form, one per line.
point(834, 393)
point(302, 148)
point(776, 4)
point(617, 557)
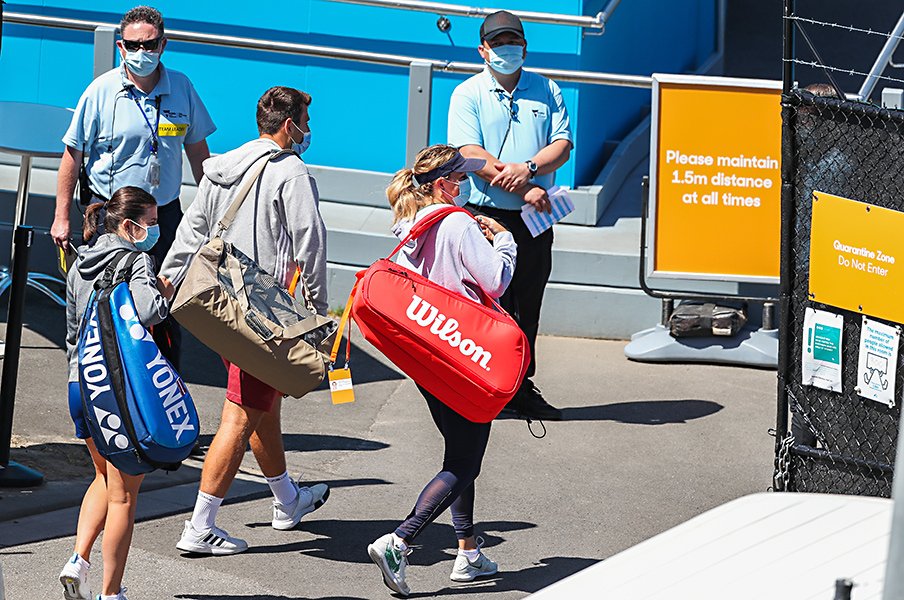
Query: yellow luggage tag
point(341, 389)
point(65, 260)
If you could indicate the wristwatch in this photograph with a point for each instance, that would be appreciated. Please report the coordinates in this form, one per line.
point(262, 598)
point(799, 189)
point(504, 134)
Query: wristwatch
point(532, 167)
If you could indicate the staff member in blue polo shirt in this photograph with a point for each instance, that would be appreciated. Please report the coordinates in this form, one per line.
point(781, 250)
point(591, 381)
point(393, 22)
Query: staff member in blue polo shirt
point(517, 122)
point(131, 125)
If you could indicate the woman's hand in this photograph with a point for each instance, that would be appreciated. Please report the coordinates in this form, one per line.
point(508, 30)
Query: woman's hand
point(489, 227)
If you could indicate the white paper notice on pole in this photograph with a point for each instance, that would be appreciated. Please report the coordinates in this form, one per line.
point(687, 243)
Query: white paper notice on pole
point(822, 349)
point(878, 361)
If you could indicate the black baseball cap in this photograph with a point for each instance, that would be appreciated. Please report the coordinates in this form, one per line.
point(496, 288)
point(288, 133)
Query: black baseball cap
point(500, 22)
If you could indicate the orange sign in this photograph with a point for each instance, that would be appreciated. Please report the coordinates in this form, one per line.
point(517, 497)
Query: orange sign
point(716, 178)
point(854, 249)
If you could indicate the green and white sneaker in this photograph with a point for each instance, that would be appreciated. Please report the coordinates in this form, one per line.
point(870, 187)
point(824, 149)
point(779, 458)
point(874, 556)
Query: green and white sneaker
point(392, 561)
point(466, 570)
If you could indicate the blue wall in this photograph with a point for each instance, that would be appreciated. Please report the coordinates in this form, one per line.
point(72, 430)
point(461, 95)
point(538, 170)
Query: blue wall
point(359, 110)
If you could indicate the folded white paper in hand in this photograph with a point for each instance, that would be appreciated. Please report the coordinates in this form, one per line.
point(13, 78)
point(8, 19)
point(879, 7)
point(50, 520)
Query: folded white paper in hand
point(537, 222)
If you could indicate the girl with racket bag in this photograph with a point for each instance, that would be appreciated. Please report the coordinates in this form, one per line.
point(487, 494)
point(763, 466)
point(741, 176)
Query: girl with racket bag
point(453, 253)
point(130, 220)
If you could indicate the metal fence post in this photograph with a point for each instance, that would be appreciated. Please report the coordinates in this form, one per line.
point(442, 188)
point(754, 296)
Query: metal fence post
point(787, 229)
point(420, 92)
point(104, 50)
point(894, 565)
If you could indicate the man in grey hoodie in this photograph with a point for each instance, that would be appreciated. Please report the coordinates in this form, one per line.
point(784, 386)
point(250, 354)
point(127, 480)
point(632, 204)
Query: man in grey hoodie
point(281, 230)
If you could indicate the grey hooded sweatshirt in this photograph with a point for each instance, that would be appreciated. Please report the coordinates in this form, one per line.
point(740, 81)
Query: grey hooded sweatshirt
point(454, 254)
point(278, 226)
point(92, 260)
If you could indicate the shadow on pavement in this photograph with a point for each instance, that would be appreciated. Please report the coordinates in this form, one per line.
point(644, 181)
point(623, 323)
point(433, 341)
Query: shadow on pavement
point(347, 540)
point(313, 442)
point(646, 412)
point(261, 597)
point(532, 579)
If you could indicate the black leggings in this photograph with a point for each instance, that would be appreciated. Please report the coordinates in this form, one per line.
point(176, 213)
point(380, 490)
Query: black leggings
point(453, 486)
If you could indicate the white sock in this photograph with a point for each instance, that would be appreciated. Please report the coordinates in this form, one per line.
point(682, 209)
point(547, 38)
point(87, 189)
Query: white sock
point(81, 562)
point(205, 514)
point(283, 489)
point(113, 597)
point(399, 542)
point(471, 554)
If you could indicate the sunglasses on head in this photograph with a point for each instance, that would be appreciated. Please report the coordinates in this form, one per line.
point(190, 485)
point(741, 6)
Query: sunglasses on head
point(149, 45)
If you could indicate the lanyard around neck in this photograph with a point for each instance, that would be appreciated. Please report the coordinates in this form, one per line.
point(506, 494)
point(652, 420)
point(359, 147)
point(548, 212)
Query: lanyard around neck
point(153, 128)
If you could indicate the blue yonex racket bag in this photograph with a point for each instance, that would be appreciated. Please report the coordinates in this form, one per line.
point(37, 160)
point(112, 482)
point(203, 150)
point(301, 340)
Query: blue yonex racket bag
point(138, 410)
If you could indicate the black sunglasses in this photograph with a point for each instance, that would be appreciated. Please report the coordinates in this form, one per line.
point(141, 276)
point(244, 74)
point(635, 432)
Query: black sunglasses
point(149, 45)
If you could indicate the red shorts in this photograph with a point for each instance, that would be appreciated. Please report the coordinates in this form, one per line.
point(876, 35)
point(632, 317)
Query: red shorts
point(245, 390)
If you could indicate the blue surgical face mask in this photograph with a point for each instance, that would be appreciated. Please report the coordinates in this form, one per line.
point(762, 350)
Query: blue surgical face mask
point(304, 144)
point(141, 62)
point(506, 59)
point(153, 234)
point(464, 192)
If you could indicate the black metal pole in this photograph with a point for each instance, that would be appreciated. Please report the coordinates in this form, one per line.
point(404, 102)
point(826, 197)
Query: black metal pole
point(788, 47)
point(787, 224)
point(12, 474)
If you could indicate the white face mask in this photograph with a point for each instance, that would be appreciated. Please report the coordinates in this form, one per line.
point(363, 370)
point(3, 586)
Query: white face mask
point(506, 59)
point(141, 62)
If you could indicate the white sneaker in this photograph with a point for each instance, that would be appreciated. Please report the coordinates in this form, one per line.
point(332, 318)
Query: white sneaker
point(120, 596)
point(74, 578)
point(392, 562)
point(212, 541)
point(465, 570)
point(307, 501)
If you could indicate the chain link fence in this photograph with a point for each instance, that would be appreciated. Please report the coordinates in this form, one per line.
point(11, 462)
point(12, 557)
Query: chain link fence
point(837, 442)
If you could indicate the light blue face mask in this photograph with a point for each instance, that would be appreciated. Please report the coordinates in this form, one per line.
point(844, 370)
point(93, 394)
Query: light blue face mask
point(506, 59)
point(141, 62)
point(464, 192)
point(153, 234)
point(304, 144)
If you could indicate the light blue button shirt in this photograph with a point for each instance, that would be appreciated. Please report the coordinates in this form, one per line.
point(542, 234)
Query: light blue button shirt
point(113, 125)
point(481, 113)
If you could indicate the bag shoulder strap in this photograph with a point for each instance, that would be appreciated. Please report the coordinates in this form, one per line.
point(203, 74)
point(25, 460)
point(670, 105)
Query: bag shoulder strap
point(251, 177)
point(422, 226)
point(109, 278)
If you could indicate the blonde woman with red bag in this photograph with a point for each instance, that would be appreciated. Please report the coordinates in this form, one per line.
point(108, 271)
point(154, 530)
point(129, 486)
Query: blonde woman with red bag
point(454, 253)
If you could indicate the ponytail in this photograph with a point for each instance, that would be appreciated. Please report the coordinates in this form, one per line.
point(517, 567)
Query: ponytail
point(126, 203)
point(405, 195)
point(92, 217)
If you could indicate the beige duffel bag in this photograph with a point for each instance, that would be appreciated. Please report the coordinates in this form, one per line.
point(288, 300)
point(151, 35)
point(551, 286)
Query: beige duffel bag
point(240, 312)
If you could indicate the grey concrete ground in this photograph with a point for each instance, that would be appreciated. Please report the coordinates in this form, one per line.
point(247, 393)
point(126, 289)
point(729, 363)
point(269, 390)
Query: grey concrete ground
point(643, 447)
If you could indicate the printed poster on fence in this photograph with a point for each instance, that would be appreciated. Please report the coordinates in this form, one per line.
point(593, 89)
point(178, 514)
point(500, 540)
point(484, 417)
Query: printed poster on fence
point(878, 361)
point(822, 350)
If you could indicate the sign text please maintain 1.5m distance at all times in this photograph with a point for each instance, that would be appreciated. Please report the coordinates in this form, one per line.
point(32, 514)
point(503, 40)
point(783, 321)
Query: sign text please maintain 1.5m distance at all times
point(720, 179)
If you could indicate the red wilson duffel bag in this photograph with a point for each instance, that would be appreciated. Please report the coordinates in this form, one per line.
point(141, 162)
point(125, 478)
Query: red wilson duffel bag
point(471, 356)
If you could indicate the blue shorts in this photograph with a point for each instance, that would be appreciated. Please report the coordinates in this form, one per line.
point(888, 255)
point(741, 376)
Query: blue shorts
point(77, 411)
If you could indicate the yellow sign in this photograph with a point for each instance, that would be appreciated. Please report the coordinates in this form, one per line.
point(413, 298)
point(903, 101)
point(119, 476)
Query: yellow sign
point(716, 178)
point(854, 249)
point(172, 129)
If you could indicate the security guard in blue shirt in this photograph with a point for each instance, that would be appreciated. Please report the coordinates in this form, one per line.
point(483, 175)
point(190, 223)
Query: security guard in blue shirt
point(516, 121)
point(130, 126)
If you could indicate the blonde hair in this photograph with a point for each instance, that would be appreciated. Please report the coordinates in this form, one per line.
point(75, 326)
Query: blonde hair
point(405, 196)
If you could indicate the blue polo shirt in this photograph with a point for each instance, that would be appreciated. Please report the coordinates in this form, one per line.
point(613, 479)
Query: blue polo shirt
point(480, 113)
point(113, 125)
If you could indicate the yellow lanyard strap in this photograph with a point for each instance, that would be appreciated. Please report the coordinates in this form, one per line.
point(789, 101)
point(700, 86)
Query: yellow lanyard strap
point(342, 322)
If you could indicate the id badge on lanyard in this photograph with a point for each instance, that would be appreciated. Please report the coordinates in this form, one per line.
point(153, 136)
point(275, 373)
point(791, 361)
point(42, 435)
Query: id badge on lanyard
point(154, 170)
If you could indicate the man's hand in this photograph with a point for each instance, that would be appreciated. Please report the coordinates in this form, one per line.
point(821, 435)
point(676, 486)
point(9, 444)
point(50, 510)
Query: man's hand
point(538, 198)
point(512, 176)
point(165, 287)
point(59, 231)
